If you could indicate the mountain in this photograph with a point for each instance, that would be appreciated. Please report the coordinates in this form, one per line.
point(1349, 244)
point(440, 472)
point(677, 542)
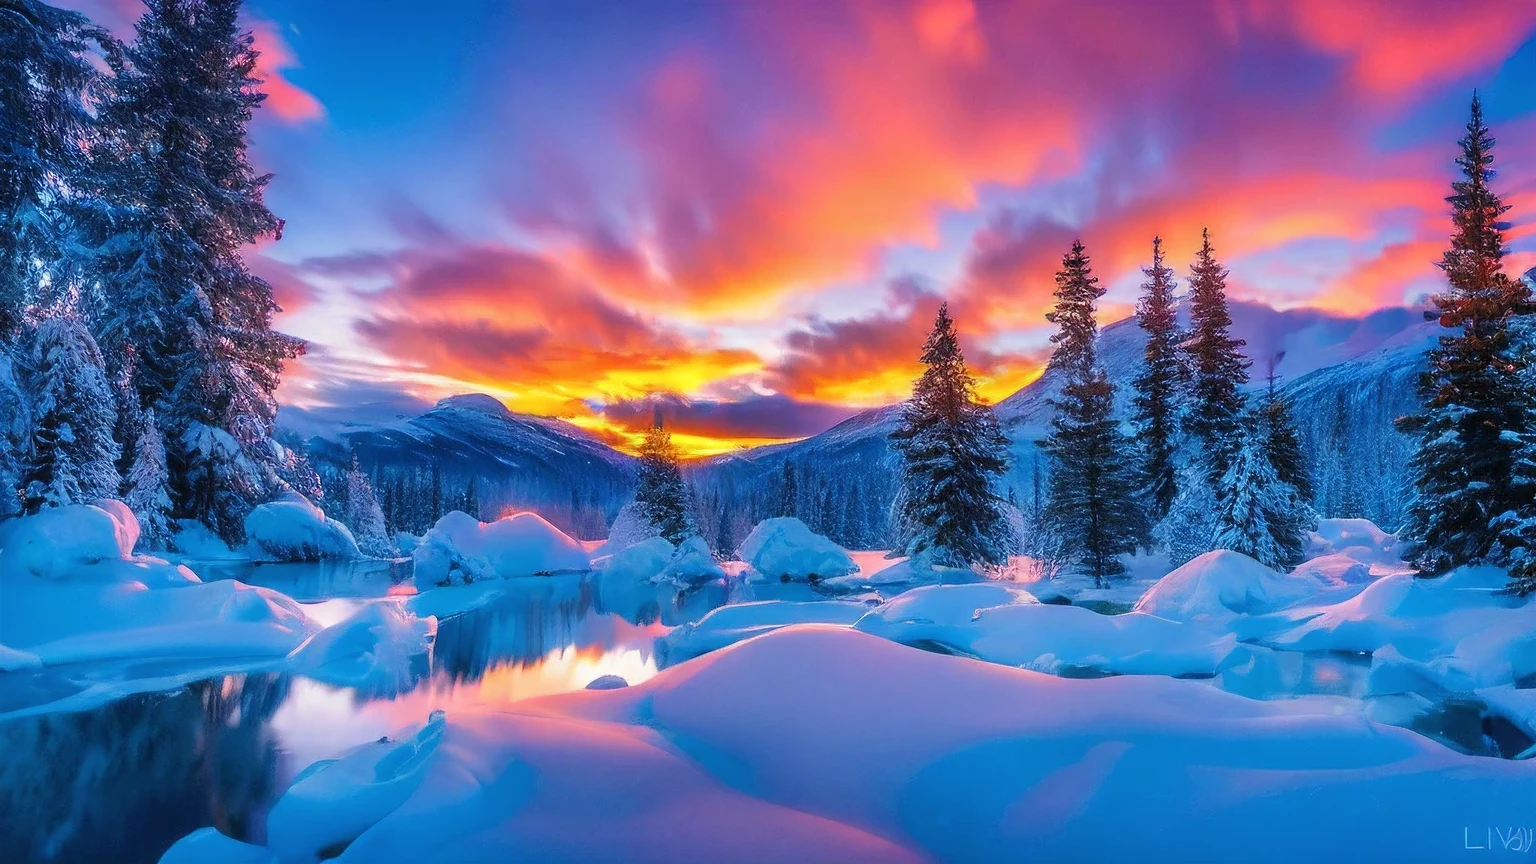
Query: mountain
point(472, 450)
point(1348, 377)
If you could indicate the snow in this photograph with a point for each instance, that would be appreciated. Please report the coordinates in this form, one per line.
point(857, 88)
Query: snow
point(638, 562)
point(817, 743)
point(629, 527)
point(1354, 535)
point(371, 651)
point(461, 548)
point(728, 625)
point(1220, 585)
point(692, 563)
point(293, 529)
point(785, 549)
point(60, 542)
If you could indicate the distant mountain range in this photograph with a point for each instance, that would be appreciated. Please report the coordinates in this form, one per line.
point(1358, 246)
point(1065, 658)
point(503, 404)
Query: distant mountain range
point(1347, 378)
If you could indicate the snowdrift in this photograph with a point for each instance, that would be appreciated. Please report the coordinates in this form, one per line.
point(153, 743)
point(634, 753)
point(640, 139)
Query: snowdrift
point(73, 592)
point(461, 549)
point(1220, 585)
point(293, 529)
point(728, 625)
point(373, 650)
point(826, 744)
point(654, 559)
point(785, 549)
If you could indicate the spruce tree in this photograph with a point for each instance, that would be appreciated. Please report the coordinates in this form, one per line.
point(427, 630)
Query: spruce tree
point(951, 450)
point(1475, 411)
point(364, 516)
point(73, 457)
point(1259, 515)
point(789, 490)
point(1158, 385)
point(1092, 509)
point(147, 495)
point(1282, 446)
point(1218, 371)
point(661, 497)
point(177, 294)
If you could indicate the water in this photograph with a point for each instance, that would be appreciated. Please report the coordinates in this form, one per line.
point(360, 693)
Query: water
point(123, 780)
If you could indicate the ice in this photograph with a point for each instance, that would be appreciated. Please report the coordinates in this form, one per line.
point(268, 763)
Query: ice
point(784, 549)
point(728, 625)
point(373, 650)
point(461, 549)
point(816, 743)
point(293, 529)
point(1222, 584)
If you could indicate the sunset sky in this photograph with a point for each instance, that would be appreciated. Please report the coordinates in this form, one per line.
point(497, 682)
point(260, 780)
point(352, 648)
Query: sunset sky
point(755, 206)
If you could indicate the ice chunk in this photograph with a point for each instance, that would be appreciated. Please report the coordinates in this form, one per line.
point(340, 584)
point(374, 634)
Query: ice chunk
point(293, 529)
point(461, 548)
point(784, 549)
point(373, 650)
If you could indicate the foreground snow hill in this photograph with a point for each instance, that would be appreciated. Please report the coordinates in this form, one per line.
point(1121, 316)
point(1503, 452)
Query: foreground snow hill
point(828, 745)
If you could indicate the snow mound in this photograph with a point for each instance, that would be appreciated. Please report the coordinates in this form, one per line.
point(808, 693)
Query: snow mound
point(728, 625)
point(1357, 535)
point(693, 564)
point(61, 542)
point(638, 562)
point(1220, 585)
point(932, 612)
point(292, 529)
point(207, 844)
point(1074, 641)
point(1335, 570)
point(856, 752)
point(906, 572)
point(785, 549)
point(461, 548)
point(629, 527)
point(372, 650)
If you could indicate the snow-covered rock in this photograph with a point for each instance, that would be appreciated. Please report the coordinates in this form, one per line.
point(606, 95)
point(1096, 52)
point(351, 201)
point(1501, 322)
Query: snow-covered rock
point(607, 682)
point(728, 625)
point(373, 650)
point(629, 527)
point(1220, 585)
point(825, 744)
point(292, 529)
point(62, 542)
point(933, 612)
point(638, 562)
point(785, 549)
point(692, 563)
point(461, 548)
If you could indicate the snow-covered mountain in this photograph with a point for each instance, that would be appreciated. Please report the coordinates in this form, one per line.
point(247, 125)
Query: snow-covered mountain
point(512, 460)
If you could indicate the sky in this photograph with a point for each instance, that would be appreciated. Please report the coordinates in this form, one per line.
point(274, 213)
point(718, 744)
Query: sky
point(748, 211)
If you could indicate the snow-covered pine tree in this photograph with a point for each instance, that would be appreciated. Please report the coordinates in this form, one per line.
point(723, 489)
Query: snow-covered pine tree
point(147, 495)
point(1282, 445)
point(177, 292)
point(1218, 371)
point(950, 449)
point(1475, 411)
point(1258, 514)
point(364, 516)
point(1092, 508)
point(661, 497)
point(789, 490)
point(15, 432)
point(1158, 386)
point(73, 456)
point(48, 84)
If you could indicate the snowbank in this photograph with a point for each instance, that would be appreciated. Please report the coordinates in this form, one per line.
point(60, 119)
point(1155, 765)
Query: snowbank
point(373, 650)
point(461, 548)
point(728, 625)
point(692, 563)
point(1358, 536)
point(825, 744)
point(73, 592)
point(1220, 585)
point(293, 529)
point(654, 559)
point(629, 527)
point(784, 549)
point(931, 613)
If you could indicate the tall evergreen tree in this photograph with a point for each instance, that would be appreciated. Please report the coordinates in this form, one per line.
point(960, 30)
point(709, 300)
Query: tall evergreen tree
point(789, 490)
point(661, 496)
point(73, 456)
point(951, 450)
point(48, 87)
point(1259, 515)
point(1475, 411)
point(146, 494)
point(1157, 386)
point(179, 297)
point(1092, 508)
point(364, 515)
point(1218, 371)
point(1282, 446)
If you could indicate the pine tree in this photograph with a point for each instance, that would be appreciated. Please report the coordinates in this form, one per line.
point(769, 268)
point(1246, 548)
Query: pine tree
point(177, 294)
point(73, 458)
point(1282, 446)
point(951, 450)
point(48, 87)
point(1157, 386)
point(1475, 412)
point(364, 516)
point(147, 495)
point(1258, 515)
point(1218, 371)
point(1092, 508)
point(661, 496)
